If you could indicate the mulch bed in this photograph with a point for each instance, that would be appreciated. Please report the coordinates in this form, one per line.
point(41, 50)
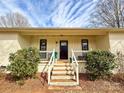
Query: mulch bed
point(39, 85)
point(100, 86)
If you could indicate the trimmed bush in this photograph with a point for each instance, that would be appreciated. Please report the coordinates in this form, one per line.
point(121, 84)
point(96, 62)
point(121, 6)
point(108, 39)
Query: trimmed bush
point(24, 63)
point(100, 64)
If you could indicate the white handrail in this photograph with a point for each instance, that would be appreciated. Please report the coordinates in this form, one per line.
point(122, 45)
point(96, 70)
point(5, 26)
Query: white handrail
point(50, 65)
point(73, 57)
point(52, 56)
point(74, 60)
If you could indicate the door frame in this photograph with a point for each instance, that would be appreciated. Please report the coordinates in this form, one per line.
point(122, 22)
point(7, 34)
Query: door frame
point(60, 47)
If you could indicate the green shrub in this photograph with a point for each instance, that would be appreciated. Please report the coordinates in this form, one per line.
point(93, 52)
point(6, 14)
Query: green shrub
point(100, 64)
point(24, 63)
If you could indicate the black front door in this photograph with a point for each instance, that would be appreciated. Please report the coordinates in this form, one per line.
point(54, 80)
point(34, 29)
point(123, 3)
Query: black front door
point(63, 49)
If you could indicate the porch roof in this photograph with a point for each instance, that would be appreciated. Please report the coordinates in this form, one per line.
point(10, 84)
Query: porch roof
point(62, 31)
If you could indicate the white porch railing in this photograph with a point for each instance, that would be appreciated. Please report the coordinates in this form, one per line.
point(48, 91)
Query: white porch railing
point(50, 65)
point(77, 56)
point(80, 55)
point(75, 66)
point(45, 56)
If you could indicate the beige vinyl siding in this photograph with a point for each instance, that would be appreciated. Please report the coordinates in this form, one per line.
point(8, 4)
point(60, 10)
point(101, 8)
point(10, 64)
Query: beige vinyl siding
point(8, 44)
point(24, 41)
point(116, 42)
point(102, 42)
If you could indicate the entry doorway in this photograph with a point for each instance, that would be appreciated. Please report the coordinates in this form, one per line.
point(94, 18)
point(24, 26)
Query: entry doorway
point(63, 49)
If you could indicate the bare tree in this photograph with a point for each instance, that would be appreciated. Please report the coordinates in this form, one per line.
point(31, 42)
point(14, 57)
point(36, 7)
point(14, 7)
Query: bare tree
point(108, 13)
point(13, 20)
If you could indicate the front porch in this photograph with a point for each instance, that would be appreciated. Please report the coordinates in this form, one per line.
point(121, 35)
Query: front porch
point(75, 42)
point(64, 52)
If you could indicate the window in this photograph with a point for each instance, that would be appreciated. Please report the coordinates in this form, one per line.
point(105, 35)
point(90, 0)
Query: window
point(84, 44)
point(43, 44)
point(43, 47)
point(63, 43)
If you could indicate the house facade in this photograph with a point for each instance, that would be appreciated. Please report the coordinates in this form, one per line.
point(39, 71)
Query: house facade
point(63, 40)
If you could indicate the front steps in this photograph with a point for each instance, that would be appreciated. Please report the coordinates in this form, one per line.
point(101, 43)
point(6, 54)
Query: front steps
point(63, 74)
point(63, 82)
point(72, 88)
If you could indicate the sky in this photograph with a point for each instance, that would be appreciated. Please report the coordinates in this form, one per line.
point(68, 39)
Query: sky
point(51, 13)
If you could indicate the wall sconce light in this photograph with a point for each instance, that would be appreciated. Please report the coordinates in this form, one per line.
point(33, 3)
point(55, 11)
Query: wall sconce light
point(56, 42)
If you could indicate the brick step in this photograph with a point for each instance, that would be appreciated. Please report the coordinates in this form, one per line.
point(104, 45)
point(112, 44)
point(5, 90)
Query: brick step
point(62, 68)
point(62, 72)
point(65, 64)
point(63, 82)
point(58, 65)
point(62, 61)
point(63, 76)
point(74, 88)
